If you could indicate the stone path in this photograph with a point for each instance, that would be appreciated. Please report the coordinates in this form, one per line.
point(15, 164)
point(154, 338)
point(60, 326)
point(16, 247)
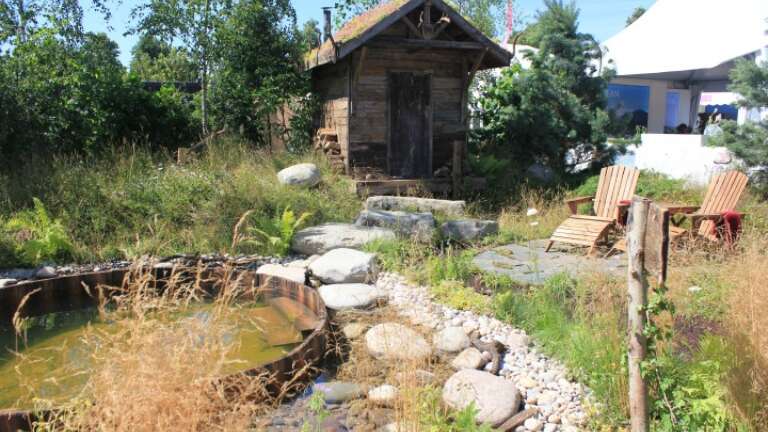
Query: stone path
point(532, 265)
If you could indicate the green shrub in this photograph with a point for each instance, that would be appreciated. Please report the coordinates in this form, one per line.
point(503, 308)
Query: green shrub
point(455, 294)
point(39, 237)
point(452, 265)
point(276, 237)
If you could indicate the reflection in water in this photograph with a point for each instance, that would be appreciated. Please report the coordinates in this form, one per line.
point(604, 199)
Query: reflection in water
point(54, 362)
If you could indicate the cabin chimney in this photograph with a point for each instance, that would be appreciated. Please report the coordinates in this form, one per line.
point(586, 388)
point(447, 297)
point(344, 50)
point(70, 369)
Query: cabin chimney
point(327, 29)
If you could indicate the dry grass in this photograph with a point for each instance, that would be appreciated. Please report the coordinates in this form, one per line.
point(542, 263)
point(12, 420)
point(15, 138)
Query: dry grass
point(154, 373)
point(514, 219)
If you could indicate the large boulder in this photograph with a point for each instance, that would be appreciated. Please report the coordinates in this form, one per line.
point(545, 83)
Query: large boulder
point(304, 175)
point(420, 226)
point(295, 274)
point(341, 266)
point(414, 204)
point(392, 341)
point(496, 399)
point(469, 230)
point(322, 238)
point(349, 296)
point(451, 340)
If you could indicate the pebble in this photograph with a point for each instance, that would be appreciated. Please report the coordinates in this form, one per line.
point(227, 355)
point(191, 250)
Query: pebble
point(542, 380)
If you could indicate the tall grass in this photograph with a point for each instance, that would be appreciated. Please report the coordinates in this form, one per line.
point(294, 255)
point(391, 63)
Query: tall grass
point(150, 371)
point(130, 202)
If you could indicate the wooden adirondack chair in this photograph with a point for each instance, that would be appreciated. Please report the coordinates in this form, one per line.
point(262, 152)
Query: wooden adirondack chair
point(724, 191)
point(617, 183)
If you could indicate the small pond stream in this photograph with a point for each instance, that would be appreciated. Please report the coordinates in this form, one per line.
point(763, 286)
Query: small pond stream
point(54, 361)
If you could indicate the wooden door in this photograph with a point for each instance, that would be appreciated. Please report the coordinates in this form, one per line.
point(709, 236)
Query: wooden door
point(410, 125)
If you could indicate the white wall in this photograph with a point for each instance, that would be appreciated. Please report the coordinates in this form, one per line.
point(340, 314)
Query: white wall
point(657, 104)
point(679, 156)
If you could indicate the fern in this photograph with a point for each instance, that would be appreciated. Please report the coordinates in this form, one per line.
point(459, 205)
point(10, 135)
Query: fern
point(276, 238)
point(39, 237)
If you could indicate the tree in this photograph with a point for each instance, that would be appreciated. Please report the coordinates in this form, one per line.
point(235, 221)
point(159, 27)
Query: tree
point(156, 60)
point(553, 114)
point(258, 66)
point(749, 142)
point(636, 14)
point(310, 35)
point(192, 23)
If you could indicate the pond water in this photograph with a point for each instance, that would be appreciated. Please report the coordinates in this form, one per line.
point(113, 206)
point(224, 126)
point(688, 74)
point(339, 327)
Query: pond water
point(54, 361)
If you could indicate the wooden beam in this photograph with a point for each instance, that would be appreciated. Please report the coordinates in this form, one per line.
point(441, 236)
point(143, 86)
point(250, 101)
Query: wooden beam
point(411, 26)
point(426, 20)
point(476, 66)
point(444, 22)
point(394, 42)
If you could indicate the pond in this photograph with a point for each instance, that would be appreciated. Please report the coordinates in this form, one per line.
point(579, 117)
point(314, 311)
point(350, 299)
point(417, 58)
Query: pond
point(54, 359)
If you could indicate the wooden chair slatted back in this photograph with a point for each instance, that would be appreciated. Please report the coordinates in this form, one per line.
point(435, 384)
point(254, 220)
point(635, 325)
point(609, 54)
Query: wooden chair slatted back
point(724, 191)
point(617, 183)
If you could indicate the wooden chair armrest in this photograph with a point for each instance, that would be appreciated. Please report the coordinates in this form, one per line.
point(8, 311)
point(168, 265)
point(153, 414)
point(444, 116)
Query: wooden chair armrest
point(573, 203)
point(698, 218)
point(681, 209)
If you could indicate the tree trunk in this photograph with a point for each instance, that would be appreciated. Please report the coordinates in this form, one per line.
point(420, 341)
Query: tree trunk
point(638, 300)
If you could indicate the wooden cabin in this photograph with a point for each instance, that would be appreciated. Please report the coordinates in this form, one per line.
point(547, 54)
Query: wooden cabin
point(393, 84)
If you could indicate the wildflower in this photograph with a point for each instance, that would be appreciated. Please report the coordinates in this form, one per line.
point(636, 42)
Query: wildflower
point(532, 212)
point(533, 224)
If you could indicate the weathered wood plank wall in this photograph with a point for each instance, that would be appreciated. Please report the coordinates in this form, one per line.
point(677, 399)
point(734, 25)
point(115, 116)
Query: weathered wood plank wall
point(331, 85)
point(368, 113)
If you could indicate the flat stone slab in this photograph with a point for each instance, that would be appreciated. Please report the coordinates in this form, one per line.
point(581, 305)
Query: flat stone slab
point(323, 238)
point(349, 296)
point(344, 265)
point(414, 204)
point(294, 274)
point(533, 266)
point(419, 226)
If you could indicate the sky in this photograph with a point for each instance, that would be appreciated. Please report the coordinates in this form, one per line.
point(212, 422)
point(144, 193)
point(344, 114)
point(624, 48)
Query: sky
point(601, 18)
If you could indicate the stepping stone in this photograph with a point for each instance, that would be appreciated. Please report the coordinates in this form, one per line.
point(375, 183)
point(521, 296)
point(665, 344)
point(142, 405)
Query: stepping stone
point(323, 238)
point(495, 398)
point(294, 274)
point(349, 296)
point(336, 392)
point(418, 226)
point(302, 175)
point(451, 340)
point(341, 266)
point(392, 341)
point(449, 208)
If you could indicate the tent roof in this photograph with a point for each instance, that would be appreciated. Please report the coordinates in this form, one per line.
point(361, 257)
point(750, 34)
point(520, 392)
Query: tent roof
point(367, 25)
point(689, 40)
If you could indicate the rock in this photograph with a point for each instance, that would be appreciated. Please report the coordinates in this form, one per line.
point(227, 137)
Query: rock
point(304, 175)
point(383, 395)
point(349, 296)
point(533, 425)
point(470, 358)
point(7, 282)
point(335, 392)
point(332, 424)
point(469, 230)
point(46, 272)
point(342, 266)
point(392, 341)
point(495, 398)
point(517, 340)
point(354, 330)
point(451, 340)
point(323, 238)
point(420, 226)
point(295, 274)
point(449, 208)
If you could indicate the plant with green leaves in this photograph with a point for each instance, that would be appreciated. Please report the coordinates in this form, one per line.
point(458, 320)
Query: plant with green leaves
point(317, 406)
point(749, 141)
point(552, 114)
point(38, 236)
point(273, 239)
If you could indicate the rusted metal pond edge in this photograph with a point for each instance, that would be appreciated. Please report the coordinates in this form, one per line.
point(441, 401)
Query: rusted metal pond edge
point(74, 292)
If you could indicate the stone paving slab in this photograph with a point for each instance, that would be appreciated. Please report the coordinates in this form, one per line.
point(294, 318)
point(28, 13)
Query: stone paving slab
point(532, 265)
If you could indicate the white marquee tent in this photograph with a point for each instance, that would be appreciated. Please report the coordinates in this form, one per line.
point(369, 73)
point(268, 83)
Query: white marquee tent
point(690, 44)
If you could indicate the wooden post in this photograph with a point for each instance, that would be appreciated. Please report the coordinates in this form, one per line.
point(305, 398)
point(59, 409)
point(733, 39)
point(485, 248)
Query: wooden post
point(638, 300)
point(456, 176)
